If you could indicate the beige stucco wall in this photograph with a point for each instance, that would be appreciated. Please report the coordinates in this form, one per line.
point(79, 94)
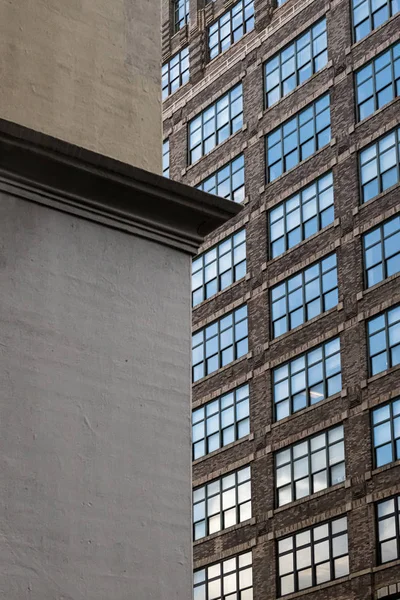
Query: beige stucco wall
point(85, 71)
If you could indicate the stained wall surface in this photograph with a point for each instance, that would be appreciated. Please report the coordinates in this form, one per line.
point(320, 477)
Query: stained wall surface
point(85, 71)
point(94, 411)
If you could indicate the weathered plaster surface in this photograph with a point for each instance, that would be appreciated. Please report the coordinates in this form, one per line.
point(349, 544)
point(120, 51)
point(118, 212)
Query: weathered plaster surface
point(85, 71)
point(94, 411)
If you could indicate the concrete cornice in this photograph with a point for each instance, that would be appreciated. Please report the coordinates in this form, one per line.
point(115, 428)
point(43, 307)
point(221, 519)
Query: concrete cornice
point(49, 171)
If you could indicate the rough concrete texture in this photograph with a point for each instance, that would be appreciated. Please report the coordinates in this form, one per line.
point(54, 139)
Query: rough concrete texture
point(85, 71)
point(94, 411)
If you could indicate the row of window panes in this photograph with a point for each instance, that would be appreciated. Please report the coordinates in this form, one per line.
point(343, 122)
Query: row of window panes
point(310, 466)
point(296, 63)
point(220, 343)
point(378, 82)
point(222, 503)
point(165, 158)
point(381, 247)
point(384, 340)
point(380, 165)
point(304, 295)
point(230, 27)
point(216, 123)
point(301, 215)
point(175, 73)
point(370, 14)
point(221, 422)
point(298, 138)
point(227, 182)
point(181, 13)
point(307, 558)
point(217, 268)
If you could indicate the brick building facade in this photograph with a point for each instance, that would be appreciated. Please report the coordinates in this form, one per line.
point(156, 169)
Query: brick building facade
point(351, 91)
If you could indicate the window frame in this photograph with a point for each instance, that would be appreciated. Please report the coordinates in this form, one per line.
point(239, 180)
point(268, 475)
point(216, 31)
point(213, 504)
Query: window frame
point(217, 323)
point(236, 401)
point(304, 303)
point(369, 18)
point(387, 348)
point(303, 222)
point(381, 242)
point(396, 513)
point(166, 153)
point(233, 266)
point(180, 23)
point(393, 439)
point(238, 569)
point(229, 18)
point(393, 83)
point(376, 143)
point(311, 545)
point(298, 148)
point(181, 75)
point(232, 190)
point(221, 512)
point(216, 130)
point(278, 55)
point(308, 387)
point(310, 473)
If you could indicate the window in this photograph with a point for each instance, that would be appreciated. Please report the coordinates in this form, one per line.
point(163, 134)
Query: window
point(181, 13)
point(175, 73)
point(221, 422)
point(313, 556)
point(307, 379)
point(296, 63)
point(301, 215)
point(231, 579)
point(304, 296)
point(311, 465)
point(220, 343)
point(229, 28)
point(382, 251)
point(298, 138)
point(386, 433)
point(379, 165)
point(165, 158)
point(388, 513)
point(216, 123)
point(217, 268)
point(378, 82)
point(369, 14)
point(222, 503)
point(280, 2)
point(227, 182)
point(384, 340)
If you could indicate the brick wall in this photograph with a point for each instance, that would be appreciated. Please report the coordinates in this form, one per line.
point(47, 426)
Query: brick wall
point(363, 486)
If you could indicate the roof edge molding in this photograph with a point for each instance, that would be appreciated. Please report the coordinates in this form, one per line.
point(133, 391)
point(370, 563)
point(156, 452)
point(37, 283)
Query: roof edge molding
point(49, 171)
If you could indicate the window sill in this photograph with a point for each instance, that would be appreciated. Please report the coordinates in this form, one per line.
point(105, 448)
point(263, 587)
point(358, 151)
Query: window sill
point(231, 137)
point(222, 369)
point(246, 438)
point(382, 469)
point(218, 294)
point(374, 378)
point(388, 565)
point(291, 505)
point(361, 295)
point(335, 223)
point(212, 536)
point(289, 418)
point(181, 87)
point(336, 308)
point(262, 114)
point(374, 114)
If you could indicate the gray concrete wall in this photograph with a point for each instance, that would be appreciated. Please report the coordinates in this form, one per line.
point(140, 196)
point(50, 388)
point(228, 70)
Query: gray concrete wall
point(85, 71)
point(94, 411)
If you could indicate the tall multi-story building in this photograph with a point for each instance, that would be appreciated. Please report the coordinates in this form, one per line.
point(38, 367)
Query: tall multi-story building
point(95, 256)
point(291, 108)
